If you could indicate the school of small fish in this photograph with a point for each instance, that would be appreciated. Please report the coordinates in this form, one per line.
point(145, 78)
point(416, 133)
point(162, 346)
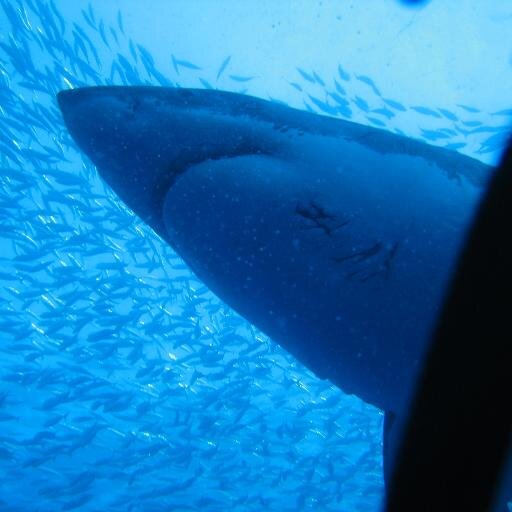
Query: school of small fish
point(125, 385)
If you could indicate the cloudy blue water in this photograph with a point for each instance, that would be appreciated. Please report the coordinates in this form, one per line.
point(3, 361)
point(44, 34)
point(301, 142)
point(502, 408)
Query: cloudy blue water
point(124, 383)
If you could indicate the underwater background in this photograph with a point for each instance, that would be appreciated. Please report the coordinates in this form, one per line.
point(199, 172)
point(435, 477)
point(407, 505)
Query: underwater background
point(124, 383)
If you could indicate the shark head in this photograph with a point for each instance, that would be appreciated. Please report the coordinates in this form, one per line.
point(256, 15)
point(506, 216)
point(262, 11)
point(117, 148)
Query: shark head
point(334, 238)
point(142, 138)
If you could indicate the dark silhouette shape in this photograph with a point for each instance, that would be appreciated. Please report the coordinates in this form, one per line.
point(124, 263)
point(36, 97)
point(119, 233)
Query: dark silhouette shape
point(455, 444)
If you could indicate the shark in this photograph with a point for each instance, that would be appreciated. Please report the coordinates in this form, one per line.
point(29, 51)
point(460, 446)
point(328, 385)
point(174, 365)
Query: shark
point(336, 239)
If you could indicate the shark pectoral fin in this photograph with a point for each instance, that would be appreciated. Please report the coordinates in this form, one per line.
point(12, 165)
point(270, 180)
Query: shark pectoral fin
point(389, 445)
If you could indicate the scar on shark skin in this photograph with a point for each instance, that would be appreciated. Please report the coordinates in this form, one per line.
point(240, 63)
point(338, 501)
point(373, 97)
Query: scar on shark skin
point(383, 269)
point(319, 218)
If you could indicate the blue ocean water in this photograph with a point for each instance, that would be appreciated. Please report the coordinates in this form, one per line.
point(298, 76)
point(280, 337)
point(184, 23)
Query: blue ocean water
point(124, 383)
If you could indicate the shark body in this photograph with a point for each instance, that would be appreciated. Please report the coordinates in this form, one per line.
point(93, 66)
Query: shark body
point(335, 239)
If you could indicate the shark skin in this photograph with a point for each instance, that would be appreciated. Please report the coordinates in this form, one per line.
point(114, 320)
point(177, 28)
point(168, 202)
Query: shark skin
point(337, 240)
